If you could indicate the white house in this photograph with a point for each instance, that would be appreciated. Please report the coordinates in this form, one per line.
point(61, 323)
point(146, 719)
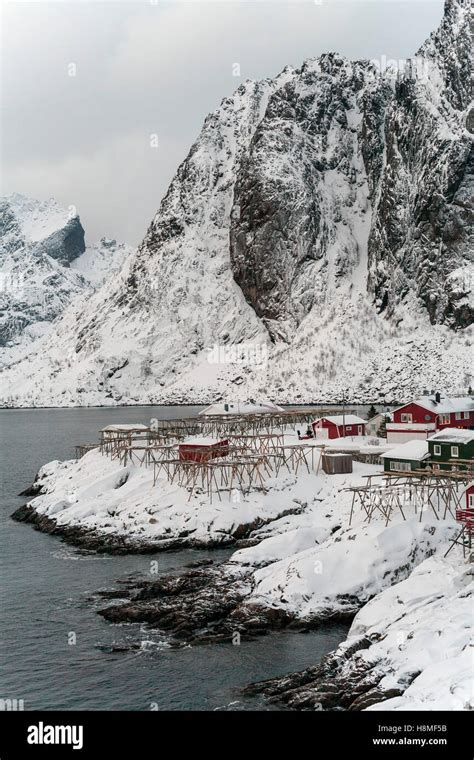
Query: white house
point(241, 407)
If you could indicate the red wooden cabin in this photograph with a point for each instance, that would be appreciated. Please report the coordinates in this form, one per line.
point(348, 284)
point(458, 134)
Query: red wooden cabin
point(465, 517)
point(440, 411)
point(338, 426)
point(469, 494)
point(203, 449)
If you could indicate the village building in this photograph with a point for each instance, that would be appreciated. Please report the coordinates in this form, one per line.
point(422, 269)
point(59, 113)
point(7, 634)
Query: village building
point(469, 496)
point(338, 426)
point(373, 425)
point(202, 449)
point(407, 457)
point(241, 407)
point(420, 419)
point(452, 449)
point(401, 432)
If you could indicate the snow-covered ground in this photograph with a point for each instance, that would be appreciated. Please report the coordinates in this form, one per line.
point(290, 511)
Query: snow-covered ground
point(101, 260)
point(422, 633)
point(344, 570)
point(97, 493)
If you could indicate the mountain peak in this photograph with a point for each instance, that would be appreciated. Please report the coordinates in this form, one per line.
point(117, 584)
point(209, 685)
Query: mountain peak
point(315, 239)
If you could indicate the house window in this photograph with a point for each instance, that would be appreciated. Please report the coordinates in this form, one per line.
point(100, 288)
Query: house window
point(400, 466)
point(437, 450)
point(466, 415)
point(454, 451)
point(444, 419)
point(348, 427)
point(471, 501)
point(407, 418)
point(458, 415)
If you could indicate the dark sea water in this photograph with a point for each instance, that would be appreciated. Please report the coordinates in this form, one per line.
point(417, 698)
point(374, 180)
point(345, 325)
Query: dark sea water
point(46, 589)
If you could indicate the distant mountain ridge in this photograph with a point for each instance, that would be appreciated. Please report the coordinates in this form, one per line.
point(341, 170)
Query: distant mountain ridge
point(44, 265)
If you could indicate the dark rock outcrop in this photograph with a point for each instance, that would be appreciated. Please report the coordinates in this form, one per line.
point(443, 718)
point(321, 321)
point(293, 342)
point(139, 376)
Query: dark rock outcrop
point(337, 683)
point(208, 604)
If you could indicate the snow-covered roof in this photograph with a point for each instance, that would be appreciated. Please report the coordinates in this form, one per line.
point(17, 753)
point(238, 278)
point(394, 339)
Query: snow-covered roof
point(124, 428)
point(454, 435)
point(202, 441)
point(241, 407)
point(411, 450)
point(445, 406)
point(347, 419)
point(411, 426)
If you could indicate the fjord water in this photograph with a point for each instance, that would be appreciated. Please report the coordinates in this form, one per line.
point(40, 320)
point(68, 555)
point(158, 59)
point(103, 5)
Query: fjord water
point(46, 595)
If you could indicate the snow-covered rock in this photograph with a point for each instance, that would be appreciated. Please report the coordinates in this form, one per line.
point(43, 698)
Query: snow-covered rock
point(44, 266)
point(422, 228)
point(409, 648)
point(344, 572)
point(424, 628)
point(101, 260)
point(318, 227)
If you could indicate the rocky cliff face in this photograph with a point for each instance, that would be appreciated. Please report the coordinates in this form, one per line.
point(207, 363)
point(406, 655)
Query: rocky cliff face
point(347, 165)
point(321, 217)
point(422, 229)
point(301, 213)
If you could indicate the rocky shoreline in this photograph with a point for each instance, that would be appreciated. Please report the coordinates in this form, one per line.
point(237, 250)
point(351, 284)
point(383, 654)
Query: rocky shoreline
point(91, 540)
point(381, 662)
point(408, 648)
point(94, 540)
point(209, 604)
point(328, 686)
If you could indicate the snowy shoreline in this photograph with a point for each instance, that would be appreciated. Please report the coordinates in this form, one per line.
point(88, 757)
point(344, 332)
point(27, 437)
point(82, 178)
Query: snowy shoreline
point(298, 565)
point(407, 649)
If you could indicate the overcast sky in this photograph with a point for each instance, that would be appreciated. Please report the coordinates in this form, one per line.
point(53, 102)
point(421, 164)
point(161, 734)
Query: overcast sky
point(151, 66)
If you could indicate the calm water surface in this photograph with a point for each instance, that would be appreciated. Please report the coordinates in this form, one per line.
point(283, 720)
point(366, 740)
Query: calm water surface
point(46, 590)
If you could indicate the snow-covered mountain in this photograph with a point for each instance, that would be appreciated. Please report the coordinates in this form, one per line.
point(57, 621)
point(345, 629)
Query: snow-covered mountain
point(44, 265)
point(316, 240)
